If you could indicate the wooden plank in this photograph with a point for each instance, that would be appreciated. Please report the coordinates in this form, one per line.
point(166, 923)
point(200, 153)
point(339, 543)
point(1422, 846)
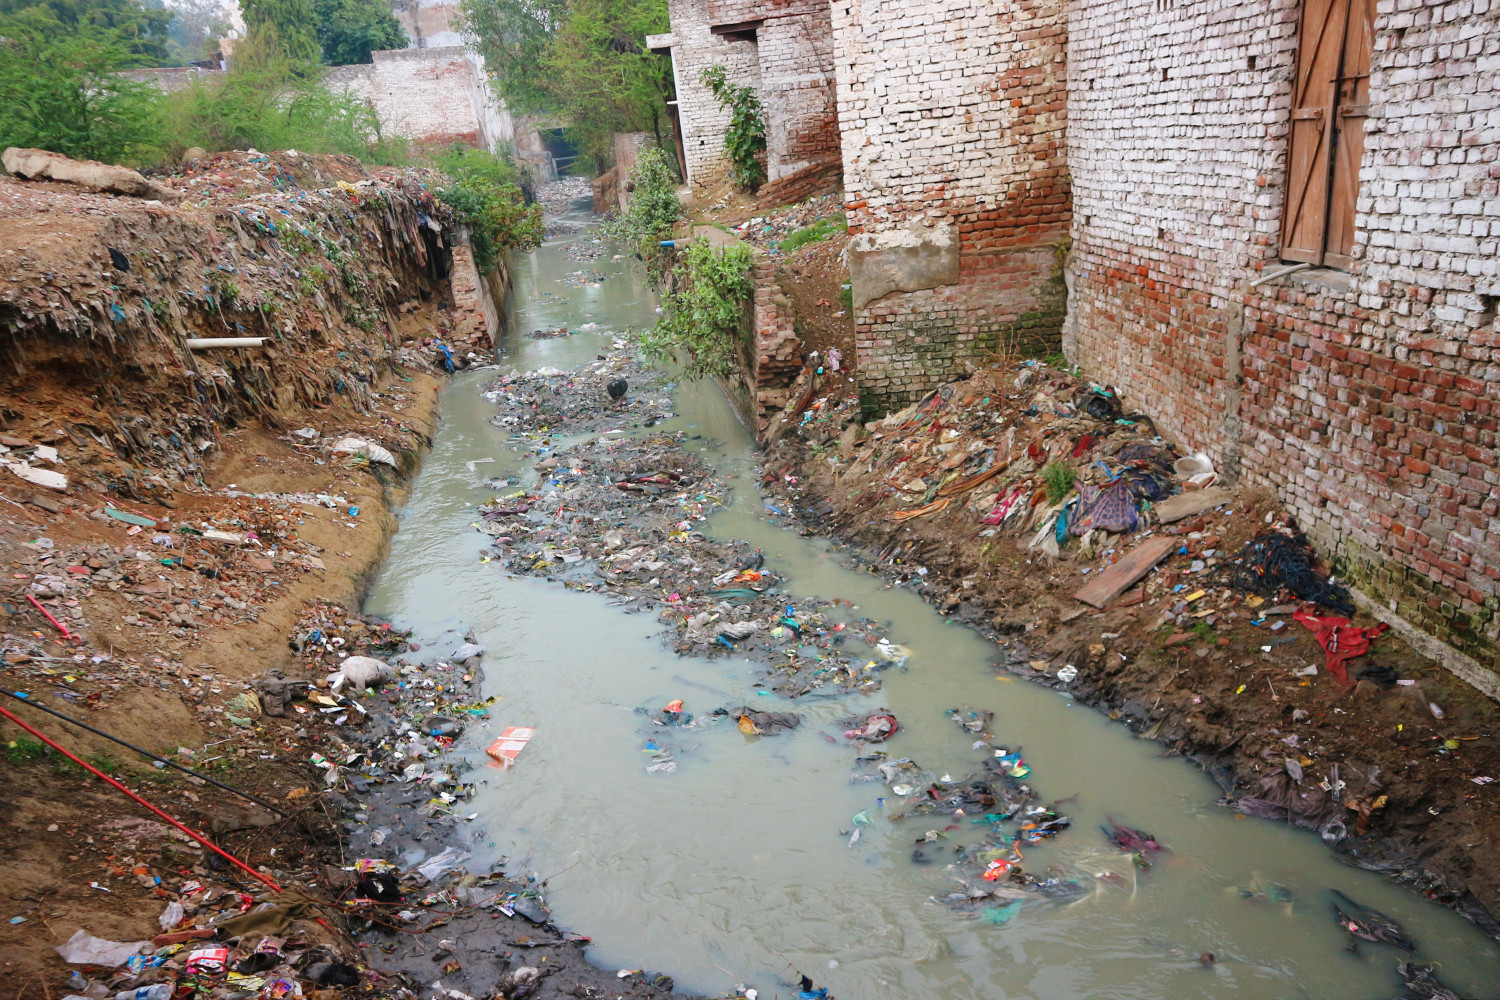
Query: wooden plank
point(1189, 503)
point(1113, 582)
point(1349, 131)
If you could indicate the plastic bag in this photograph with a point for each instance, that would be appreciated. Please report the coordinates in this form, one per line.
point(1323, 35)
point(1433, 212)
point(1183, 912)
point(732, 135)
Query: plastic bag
point(370, 450)
point(85, 949)
point(171, 916)
point(362, 672)
point(434, 867)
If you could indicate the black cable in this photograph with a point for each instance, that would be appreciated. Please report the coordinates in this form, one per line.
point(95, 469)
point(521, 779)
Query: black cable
point(1273, 561)
point(26, 700)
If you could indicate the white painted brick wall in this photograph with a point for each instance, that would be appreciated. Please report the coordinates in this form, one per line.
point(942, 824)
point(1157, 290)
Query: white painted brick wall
point(694, 49)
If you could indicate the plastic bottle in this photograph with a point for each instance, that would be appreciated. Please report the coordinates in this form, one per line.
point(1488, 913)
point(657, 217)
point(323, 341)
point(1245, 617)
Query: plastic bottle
point(161, 991)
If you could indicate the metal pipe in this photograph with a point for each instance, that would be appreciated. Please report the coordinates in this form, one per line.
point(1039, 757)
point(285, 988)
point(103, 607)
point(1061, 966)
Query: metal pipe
point(24, 697)
point(100, 774)
point(1283, 272)
point(205, 343)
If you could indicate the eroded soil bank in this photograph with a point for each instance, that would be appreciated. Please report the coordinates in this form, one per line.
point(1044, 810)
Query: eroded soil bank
point(173, 510)
point(949, 498)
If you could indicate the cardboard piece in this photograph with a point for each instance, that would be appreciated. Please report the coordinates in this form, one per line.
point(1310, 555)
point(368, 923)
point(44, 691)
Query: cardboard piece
point(1189, 503)
point(510, 744)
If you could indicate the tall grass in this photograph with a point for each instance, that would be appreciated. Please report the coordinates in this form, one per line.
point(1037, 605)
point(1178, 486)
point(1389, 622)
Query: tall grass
point(249, 109)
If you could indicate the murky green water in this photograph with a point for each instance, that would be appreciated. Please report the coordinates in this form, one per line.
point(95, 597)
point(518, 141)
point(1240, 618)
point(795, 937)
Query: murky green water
point(733, 868)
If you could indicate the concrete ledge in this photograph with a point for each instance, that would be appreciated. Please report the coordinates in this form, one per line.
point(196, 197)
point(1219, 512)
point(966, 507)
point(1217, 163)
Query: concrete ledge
point(901, 261)
point(1465, 668)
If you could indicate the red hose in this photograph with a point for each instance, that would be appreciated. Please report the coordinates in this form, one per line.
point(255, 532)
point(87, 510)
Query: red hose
point(60, 626)
point(187, 830)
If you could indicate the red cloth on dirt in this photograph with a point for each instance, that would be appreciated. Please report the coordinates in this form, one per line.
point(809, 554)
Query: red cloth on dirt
point(1340, 640)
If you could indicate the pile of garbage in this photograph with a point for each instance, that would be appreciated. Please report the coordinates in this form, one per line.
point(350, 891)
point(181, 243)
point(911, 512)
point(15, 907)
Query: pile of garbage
point(769, 229)
point(216, 563)
point(243, 173)
point(1078, 481)
point(620, 512)
point(562, 195)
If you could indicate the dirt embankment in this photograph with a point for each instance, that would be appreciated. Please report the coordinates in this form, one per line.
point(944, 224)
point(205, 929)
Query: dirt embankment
point(949, 498)
point(173, 510)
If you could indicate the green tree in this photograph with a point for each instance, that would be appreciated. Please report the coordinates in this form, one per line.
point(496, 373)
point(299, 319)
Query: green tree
point(514, 36)
point(140, 30)
point(289, 27)
point(349, 30)
point(197, 26)
point(585, 60)
point(60, 89)
point(603, 78)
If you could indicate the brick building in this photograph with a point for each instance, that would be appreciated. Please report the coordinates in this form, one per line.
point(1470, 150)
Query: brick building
point(1215, 144)
point(1180, 157)
point(952, 118)
point(782, 48)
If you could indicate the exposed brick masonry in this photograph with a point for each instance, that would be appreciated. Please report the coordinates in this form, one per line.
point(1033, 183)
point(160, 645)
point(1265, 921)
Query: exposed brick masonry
point(952, 118)
point(694, 49)
point(794, 44)
point(1369, 400)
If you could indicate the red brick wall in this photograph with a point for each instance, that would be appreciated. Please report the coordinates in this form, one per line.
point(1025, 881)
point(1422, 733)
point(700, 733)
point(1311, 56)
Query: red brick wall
point(953, 121)
point(1388, 460)
point(1369, 400)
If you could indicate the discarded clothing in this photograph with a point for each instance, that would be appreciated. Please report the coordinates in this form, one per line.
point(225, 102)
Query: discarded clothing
point(1281, 797)
point(1340, 640)
point(1013, 502)
point(271, 919)
point(1110, 509)
point(762, 723)
point(876, 729)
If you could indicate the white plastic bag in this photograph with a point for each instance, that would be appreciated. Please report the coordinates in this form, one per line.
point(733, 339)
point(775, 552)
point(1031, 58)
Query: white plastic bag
point(369, 449)
point(171, 916)
point(85, 949)
point(362, 672)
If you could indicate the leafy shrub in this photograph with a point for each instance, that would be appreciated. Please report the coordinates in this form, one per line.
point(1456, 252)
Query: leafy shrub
point(745, 139)
point(484, 196)
point(1058, 477)
point(263, 108)
point(704, 310)
point(651, 212)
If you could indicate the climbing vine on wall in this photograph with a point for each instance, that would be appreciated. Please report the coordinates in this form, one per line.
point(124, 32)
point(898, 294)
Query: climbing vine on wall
point(703, 313)
point(745, 140)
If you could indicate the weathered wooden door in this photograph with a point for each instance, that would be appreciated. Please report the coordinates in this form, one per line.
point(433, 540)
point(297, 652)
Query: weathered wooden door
point(1330, 95)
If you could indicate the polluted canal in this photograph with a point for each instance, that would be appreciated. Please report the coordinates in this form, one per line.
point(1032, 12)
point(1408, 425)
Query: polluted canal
point(732, 852)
